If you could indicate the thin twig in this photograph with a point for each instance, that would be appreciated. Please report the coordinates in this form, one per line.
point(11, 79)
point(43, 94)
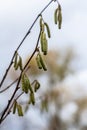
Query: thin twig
point(8, 112)
point(7, 70)
point(12, 83)
point(9, 86)
point(3, 116)
point(11, 101)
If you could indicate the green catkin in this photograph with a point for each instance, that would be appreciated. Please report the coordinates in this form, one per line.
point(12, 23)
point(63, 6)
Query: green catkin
point(20, 62)
point(14, 107)
point(38, 62)
point(32, 98)
point(41, 22)
point(37, 86)
point(56, 16)
point(26, 84)
point(42, 29)
point(48, 30)
point(30, 87)
point(59, 17)
point(44, 43)
point(15, 61)
point(42, 62)
point(19, 109)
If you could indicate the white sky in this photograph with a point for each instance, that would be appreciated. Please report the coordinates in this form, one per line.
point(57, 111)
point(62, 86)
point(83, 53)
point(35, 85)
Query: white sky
point(16, 16)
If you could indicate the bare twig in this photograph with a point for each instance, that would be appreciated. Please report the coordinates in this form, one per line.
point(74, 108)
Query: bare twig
point(9, 86)
point(4, 115)
point(7, 110)
point(7, 70)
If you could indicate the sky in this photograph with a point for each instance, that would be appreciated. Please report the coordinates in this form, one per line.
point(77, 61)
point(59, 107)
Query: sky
point(16, 16)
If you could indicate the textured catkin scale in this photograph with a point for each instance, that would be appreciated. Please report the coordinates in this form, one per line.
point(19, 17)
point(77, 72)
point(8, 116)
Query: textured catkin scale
point(14, 107)
point(42, 29)
point(30, 87)
point(38, 62)
point(19, 109)
point(48, 30)
point(20, 62)
point(42, 62)
point(56, 16)
point(37, 86)
point(32, 98)
point(44, 44)
point(27, 81)
point(24, 84)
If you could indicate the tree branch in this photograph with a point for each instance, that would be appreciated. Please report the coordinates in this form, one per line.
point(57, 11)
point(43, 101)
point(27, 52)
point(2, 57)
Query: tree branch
point(10, 103)
point(7, 70)
point(4, 115)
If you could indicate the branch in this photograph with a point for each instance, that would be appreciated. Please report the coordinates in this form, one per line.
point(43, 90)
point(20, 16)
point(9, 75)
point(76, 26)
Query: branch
point(9, 110)
point(3, 116)
point(9, 86)
point(7, 70)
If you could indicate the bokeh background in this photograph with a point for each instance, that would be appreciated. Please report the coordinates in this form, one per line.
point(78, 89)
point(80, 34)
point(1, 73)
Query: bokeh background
point(65, 82)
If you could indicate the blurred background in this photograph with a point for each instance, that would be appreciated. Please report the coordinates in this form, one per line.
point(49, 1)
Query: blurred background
point(61, 102)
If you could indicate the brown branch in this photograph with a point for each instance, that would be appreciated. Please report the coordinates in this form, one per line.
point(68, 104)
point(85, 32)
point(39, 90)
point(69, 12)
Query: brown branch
point(11, 101)
point(7, 70)
point(9, 86)
point(8, 112)
point(12, 83)
point(4, 115)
